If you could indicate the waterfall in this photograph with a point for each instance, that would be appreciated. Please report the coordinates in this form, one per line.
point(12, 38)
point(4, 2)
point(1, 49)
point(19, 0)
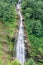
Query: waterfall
point(20, 49)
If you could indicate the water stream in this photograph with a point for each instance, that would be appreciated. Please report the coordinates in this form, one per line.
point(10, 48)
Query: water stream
point(20, 49)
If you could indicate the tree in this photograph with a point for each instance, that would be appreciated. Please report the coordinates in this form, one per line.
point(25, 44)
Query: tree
point(7, 12)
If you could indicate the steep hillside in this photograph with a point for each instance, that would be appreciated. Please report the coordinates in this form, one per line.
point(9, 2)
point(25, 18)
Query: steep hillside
point(32, 11)
point(8, 22)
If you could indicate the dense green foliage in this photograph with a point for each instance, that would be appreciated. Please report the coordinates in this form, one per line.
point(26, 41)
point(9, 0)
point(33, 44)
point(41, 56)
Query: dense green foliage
point(32, 11)
point(10, 1)
point(7, 10)
point(30, 62)
point(33, 16)
point(8, 23)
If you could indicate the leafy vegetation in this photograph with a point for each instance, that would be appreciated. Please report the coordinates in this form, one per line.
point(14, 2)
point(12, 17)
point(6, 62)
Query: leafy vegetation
point(30, 62)
point(32, 11)
point(14, 62)
point(7, 12)
point(8, 21)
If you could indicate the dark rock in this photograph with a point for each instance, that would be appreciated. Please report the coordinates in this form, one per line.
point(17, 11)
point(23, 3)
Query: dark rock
point(27, 54)
point(13, 39)
point(23, 19)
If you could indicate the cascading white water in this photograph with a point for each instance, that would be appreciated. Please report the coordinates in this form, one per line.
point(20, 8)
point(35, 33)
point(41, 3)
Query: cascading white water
point(20, 50)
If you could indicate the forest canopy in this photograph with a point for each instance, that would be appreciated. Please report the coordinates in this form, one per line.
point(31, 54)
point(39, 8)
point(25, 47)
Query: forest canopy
point(32, 11)
point(7, 10)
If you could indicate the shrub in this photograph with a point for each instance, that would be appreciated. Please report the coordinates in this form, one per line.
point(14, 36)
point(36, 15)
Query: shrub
point(30, 62)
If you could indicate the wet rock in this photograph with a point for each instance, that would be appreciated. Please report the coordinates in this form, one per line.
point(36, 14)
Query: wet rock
point(22, 19)
point(13, 39)
point(24, 36)
point(25, 41)
point(24, 28)
point(27, 54)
